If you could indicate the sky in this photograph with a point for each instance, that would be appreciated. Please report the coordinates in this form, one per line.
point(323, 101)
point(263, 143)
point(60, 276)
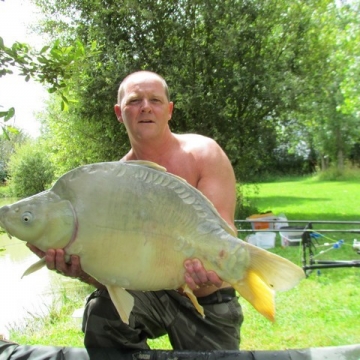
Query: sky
point(26, 97)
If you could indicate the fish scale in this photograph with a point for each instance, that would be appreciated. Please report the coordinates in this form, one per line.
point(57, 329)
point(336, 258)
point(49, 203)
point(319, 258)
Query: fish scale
point(133, 225)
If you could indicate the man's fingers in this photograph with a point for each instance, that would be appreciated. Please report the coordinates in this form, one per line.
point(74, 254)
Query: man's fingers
point(60, 264)
point(55, 260)
point(50, 259)
point(36, 250)
point(190, 282)
point(200, 274)
point(196, 275)
point(214, 278)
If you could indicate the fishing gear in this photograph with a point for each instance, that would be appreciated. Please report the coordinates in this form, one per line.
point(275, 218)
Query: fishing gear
point(309, 240)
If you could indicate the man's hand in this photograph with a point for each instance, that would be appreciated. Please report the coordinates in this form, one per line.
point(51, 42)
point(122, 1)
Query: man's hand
point(55, 260)
point(196, 276)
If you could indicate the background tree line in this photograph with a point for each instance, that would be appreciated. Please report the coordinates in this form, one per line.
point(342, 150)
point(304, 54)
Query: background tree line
point(276, 83)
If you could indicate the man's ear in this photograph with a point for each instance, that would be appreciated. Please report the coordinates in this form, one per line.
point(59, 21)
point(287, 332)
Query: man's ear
point(171, 109)
point(117, 110)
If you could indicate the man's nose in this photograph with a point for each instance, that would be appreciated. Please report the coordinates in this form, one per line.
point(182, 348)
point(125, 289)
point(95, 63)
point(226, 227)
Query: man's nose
point(145, 105)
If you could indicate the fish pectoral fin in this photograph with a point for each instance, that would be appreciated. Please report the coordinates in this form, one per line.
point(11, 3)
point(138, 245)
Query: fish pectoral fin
point(123, 301)
point(257, 293)
point(193, 299)
point(34, 267)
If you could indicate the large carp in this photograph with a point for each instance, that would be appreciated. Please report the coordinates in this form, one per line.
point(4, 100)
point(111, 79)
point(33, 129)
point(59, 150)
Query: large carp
point(133, 224)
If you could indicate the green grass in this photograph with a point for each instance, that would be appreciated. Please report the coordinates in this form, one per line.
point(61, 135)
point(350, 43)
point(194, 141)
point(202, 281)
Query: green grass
point(309, 198)
point(58, 327)
point(323, 310)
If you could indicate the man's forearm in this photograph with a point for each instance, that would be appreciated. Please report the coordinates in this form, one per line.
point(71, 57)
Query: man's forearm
point(86, 278)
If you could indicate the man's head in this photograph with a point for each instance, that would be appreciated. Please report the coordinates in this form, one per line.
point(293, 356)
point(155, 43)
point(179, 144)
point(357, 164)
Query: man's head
point(141, 74)
point(143, 106)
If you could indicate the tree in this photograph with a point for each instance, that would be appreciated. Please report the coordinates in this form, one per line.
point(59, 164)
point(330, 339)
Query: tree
point(328, 115)
point(229, 65)
point(7, 148)
point(245, 73)
point(53, 65)
point(30, 170)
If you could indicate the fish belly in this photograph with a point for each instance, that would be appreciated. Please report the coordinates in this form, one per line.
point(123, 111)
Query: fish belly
point(133, 262)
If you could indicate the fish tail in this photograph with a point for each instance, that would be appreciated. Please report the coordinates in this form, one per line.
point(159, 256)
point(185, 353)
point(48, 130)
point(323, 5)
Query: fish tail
point(278, 273)
point(266, 274)
point(257, 293)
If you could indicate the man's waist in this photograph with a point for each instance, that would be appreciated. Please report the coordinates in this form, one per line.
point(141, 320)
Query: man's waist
point(217, 297)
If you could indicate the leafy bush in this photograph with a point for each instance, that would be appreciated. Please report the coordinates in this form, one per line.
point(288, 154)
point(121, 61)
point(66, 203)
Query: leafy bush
point(349, 173)
point(30, 170)
point(244, 207)
point(3, 173)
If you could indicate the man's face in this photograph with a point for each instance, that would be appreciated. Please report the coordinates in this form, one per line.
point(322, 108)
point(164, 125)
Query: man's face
point(144, 108)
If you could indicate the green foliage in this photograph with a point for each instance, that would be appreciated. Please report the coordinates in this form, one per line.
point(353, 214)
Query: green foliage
point(249, 74)
point(328, 117)
point(7, 149)
point(238, 70)
point(244, 207)
point(3, 173)
point(30, 170)
point(335, 174)
point(6, 116)
point(54, 65)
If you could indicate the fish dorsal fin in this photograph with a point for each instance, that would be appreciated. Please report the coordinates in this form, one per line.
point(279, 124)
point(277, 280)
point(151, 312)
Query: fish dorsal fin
point(146, 163)
point(123, 301)
point(34, 267)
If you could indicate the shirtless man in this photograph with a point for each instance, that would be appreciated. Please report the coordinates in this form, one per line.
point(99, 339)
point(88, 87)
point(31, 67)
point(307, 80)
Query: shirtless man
point(145, 110)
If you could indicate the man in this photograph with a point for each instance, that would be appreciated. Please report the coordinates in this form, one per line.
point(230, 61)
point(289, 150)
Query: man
point(145, 110)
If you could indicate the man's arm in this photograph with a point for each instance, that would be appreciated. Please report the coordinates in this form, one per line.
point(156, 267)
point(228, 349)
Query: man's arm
point(217, 182)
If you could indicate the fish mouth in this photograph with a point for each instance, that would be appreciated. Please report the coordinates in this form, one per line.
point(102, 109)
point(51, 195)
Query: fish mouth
point(3, 210)
point(2, 229)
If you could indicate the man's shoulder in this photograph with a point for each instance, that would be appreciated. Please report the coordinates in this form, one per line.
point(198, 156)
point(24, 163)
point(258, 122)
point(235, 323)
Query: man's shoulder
point(204, 150)
point(195, 140)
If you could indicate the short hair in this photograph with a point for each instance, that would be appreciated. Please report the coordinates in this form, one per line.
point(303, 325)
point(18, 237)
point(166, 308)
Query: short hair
point(122, 84)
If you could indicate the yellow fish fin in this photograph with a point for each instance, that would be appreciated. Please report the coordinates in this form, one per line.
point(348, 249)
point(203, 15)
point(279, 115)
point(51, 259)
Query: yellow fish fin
point(257, 293)
point(146, 163)
point(123, 301)
point(193, 299)
point(34, 267)
point(275, 271)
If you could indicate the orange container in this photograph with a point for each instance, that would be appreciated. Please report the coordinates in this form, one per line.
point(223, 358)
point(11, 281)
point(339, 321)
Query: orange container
point(263, 225)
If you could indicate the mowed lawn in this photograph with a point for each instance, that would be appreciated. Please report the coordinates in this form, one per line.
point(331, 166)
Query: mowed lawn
point(324, 309)
point(310, 199)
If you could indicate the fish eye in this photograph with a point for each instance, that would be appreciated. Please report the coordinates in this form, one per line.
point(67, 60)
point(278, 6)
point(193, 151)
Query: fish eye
point(27, 217)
